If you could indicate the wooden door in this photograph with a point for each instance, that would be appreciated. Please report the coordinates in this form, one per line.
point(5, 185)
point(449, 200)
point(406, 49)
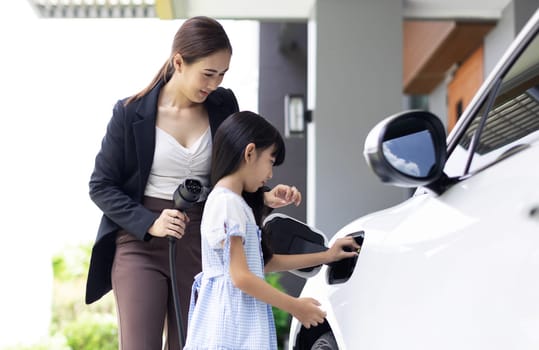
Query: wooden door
point(462, 88)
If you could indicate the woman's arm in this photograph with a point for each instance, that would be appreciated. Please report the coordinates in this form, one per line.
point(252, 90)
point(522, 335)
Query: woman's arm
point(113, 183)
point(287, 262)
point(108, 174)
point(306, 310)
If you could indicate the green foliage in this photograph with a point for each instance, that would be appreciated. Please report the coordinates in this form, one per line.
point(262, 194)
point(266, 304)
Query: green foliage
point(73, 262)
point(75, 325)
point(282, 318)
point(92, 331)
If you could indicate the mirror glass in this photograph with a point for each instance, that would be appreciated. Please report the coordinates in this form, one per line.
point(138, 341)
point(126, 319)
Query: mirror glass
point(411, 154)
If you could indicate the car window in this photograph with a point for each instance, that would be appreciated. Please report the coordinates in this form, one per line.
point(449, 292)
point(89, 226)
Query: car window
point(511, 123)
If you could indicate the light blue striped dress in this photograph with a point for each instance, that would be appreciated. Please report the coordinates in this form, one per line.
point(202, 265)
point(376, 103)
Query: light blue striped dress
point(223, 317)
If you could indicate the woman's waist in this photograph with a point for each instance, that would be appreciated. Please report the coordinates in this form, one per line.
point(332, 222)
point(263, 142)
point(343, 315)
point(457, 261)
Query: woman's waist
point(159, 204)
point(165, 187)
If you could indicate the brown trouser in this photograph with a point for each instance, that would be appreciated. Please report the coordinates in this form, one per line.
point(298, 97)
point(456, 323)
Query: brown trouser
point(142, 286)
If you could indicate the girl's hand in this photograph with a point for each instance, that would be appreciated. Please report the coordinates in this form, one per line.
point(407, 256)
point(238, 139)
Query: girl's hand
point(337, 252)
point(171, 222)
point(282, 195)
point(308, 312)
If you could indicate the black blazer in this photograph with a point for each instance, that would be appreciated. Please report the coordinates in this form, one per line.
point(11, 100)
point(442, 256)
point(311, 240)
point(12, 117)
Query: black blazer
point(121, 171)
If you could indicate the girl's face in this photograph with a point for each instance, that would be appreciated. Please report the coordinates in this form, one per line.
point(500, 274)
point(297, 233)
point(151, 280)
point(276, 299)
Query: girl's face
point(202, 77)
point(260, 169)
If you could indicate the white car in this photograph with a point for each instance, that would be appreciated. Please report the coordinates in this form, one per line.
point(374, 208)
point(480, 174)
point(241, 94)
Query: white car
point(456, 266)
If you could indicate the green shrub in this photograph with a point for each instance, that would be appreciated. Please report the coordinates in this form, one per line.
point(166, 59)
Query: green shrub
point(70, 268)
point(88, 327)
point(71, 262)
point(92, 331)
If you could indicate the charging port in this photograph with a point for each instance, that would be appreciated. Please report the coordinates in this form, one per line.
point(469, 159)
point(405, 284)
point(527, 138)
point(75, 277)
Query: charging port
point(340, 271)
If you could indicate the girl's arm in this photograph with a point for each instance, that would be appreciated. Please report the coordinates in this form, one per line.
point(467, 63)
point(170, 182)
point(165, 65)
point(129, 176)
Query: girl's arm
point(282, 195)
point(287, 262)
point(306, 310)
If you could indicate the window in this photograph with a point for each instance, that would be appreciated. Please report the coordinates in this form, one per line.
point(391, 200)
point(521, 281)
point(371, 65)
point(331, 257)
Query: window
point(510, 123)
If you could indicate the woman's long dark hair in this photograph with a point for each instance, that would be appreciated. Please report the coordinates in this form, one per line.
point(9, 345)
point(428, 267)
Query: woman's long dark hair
point(198, 37)
point(229, 143)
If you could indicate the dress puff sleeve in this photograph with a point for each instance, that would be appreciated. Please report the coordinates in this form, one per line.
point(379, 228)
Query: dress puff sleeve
point(224, 214)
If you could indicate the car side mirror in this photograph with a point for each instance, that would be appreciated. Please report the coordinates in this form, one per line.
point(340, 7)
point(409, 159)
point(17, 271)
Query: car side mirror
point(407, 149)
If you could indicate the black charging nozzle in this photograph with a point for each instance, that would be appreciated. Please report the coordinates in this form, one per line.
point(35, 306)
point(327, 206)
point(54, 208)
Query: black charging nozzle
point(187, 193)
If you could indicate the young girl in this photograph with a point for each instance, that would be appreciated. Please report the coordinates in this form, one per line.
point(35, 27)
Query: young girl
point(231, 302)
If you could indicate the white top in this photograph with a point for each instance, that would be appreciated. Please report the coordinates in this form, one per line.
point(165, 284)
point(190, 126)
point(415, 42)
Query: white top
point(173, 163)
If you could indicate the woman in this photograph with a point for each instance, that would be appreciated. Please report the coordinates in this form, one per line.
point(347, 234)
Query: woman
point(154, 141)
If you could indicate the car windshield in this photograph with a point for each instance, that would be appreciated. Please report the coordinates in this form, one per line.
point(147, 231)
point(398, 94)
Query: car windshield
point(511, 122)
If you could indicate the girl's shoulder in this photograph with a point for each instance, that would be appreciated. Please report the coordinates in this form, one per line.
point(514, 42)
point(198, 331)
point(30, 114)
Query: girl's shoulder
point(225, 204)
point(222, 197)
point(224, 209)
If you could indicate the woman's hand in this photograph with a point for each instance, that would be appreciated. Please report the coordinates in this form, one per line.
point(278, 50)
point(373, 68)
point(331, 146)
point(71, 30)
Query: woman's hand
point(171, 222)
point(336, 251)
point(282, 195)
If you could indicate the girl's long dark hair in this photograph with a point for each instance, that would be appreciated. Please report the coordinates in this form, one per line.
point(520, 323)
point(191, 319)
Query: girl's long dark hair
point(234, 134)
point(197, 37)
point(229, 143)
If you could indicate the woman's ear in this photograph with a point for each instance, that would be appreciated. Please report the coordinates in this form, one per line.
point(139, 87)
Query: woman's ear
point(249, 152)
point(177, 61)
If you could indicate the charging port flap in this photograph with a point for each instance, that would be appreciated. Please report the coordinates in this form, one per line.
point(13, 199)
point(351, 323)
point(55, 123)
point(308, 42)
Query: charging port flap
point(291, 236)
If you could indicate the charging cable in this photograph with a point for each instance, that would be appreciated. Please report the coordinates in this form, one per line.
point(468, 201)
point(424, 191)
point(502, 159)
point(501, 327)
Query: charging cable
point(184, 197)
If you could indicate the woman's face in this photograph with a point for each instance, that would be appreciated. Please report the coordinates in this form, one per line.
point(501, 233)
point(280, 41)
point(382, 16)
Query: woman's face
point(201, 78)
